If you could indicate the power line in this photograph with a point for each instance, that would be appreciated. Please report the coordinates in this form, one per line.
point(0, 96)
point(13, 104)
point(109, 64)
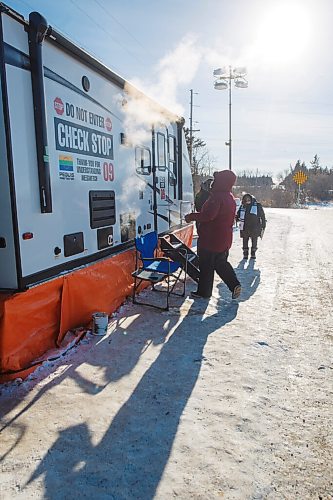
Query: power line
point(120, 24)
point(107, 32)
point(26, 4)
point(69, 36)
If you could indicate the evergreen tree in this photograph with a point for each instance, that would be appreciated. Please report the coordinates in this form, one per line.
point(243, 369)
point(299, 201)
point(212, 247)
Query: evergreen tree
point(315, 164)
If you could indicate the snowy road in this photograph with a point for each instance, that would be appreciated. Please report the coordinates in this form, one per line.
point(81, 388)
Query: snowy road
point(211, 400)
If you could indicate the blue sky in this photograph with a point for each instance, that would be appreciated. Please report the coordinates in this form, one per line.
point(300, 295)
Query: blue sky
point(167, 48)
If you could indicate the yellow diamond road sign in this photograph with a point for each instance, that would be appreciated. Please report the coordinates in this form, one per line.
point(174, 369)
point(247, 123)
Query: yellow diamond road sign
point(300, 177)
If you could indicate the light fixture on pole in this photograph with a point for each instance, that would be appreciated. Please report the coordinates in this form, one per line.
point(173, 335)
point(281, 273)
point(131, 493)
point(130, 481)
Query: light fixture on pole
point(223, 79)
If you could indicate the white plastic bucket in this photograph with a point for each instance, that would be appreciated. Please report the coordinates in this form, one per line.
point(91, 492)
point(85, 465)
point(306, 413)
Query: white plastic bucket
point(100, 323)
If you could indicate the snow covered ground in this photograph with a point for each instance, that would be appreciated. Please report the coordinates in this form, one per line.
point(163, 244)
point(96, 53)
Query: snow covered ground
point(219, 399)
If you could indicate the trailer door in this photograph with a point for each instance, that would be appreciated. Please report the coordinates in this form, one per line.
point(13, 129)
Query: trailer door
point(144, 180)
point(166, 178)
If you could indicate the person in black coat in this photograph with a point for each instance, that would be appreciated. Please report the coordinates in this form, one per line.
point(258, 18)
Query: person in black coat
point(252, 223)
point(203, 195)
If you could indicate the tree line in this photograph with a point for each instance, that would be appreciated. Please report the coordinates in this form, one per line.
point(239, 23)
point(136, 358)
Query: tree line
point(282, 193)
point(318, 186)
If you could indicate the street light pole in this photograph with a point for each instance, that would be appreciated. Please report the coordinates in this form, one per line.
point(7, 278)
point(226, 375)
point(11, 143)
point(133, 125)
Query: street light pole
point(223, 82)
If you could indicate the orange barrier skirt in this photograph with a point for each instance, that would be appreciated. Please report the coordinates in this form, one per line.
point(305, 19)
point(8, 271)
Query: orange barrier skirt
point(34, 321)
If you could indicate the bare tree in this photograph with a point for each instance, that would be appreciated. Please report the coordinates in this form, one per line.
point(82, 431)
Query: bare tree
point(204, 163)
point(198, 146)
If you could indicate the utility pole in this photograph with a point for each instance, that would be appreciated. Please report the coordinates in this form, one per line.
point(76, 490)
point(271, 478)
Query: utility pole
point(230, 77)
point(191, 128)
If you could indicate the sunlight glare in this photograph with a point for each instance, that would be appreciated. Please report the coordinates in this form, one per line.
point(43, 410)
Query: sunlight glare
point(283, 34)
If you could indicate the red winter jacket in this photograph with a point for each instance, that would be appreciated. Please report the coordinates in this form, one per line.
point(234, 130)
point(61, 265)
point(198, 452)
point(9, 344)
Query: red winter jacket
point(217, 214)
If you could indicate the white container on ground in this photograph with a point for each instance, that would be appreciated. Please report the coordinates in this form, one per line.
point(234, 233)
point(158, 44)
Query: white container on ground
point(100, 323)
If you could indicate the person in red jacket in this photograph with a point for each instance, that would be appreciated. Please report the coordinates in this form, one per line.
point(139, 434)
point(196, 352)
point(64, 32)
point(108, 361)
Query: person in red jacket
point(215, 236)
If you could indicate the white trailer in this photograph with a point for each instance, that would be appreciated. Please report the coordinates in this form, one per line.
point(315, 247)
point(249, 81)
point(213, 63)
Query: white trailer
point(75, 185)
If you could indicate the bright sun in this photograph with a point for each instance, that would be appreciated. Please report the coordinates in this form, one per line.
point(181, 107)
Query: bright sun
point(283, 33)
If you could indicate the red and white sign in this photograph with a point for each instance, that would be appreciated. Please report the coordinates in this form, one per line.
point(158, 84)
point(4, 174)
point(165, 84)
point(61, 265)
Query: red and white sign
point(108, 124)
point(162, 194)
point(58, 106)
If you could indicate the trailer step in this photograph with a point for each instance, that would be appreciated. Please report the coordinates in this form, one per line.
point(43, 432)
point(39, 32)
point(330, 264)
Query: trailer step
point(179, 251)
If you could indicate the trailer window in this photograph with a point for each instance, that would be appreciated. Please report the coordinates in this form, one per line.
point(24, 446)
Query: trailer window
point(172, 148)
point(161, 156)
point(143, 161)
point(172, 161)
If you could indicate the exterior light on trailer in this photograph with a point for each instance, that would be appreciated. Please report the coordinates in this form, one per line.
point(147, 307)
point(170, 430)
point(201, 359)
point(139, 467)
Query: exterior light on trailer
point(27, 236)
point(85, 83)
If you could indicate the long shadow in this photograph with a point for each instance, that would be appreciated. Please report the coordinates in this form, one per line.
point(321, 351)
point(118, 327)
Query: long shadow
point(116, 356)
point(125, 347)
point(130, 459)
point(249, 277)
point(126, 362)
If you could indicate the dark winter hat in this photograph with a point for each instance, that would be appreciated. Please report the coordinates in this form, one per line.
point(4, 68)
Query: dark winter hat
point(245, 196)
point(248, 196)
point(207, 183)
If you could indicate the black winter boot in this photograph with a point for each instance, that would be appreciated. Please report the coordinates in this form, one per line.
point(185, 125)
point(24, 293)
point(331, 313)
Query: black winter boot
point(245, 254)
point(253, 254)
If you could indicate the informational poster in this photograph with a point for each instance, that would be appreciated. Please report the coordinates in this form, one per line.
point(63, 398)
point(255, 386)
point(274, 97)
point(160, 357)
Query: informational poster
point(83, 142)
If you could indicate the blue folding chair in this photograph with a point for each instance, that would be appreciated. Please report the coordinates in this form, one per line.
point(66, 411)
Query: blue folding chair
point(156, 269)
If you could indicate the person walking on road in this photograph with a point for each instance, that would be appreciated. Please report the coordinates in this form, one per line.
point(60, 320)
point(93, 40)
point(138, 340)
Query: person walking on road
point(252, 223)
point(216, 220)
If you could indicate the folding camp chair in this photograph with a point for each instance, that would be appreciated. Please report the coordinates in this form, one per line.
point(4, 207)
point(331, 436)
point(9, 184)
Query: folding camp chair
point(156, 269)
